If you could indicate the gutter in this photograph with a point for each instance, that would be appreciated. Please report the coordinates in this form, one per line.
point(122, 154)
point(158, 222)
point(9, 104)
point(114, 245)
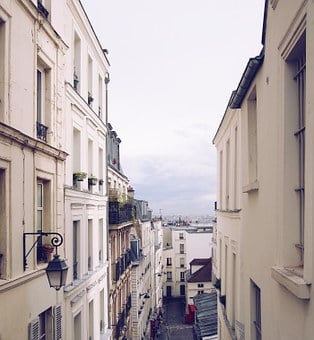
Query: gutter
point(250, 71)
point(238, 95)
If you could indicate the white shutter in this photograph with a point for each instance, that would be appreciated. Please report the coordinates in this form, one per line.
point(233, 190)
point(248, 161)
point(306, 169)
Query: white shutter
point(33, 331)
point(58, 322)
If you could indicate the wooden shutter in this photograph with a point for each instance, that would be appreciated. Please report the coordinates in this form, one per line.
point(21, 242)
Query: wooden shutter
point(58, 322)
point(33, 331)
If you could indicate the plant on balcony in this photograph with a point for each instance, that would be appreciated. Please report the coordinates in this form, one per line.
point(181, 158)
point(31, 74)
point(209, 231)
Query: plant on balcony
point(47, 250)
point(92, 180)
point(79, 176)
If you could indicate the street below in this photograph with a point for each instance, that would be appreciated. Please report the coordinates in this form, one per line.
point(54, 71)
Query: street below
point(173, 327)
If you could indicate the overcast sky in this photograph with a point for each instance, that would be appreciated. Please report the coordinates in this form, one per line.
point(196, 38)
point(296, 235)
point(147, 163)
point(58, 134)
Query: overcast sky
point(174, 64)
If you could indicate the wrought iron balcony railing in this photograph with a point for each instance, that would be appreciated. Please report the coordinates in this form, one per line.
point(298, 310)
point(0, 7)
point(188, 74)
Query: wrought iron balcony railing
point(42, 131)
point(120, 213)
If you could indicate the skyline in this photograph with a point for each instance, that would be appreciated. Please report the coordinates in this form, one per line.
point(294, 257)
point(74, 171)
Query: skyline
point(173, 68)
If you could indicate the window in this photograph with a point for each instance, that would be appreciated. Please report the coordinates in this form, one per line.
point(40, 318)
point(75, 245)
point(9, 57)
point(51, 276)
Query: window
point(77, 326)
point(182, 276)
point(200, 285)
point(43, 100)
point(252, 137)
point(256, 312)
point(101, 241)
point(100, 96)
point(102, 311)
point(90, 245)
point(42, 327)
point(43, 214)
point(299, 78)
point(45, 325)
point(182, 262)
point(3, 225)
point(200, 292)
point(91, 320)
point(220, 205)
point(169, 261)
point(101, 170)
point(169, 276)
point(295, 114)
point(77, 63)
point(41, 128)
point(181, 248)
point(76, 247)
point(76, 155)
point(3, 68)
point(235, 170)
point(181, 236)
point(227, 174)
point(90, 97)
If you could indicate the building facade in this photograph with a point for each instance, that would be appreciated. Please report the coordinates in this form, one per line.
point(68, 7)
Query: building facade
point(52, 168)
point(32, 163)
point(86, 292)
point(179, 247)
point(271, 263)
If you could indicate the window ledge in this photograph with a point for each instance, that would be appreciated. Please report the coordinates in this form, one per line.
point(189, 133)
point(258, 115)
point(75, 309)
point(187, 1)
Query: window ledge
point(291, 278)
point(254, 186)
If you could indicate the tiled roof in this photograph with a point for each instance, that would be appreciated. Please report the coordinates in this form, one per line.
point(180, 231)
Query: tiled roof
point(198, 262)
point(206, 314)
point(204, 274)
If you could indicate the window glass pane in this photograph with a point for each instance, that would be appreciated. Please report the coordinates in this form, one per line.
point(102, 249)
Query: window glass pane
point(39, 96)
point(39, 219)
point(39, 195)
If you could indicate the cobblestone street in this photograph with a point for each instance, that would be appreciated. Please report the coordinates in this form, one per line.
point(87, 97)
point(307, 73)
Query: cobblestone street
point(174, 327)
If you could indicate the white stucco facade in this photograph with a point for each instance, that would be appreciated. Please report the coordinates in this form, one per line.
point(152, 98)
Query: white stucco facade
point(269, 242)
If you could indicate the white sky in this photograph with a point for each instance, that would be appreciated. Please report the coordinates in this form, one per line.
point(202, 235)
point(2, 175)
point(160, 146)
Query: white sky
point(174, 64)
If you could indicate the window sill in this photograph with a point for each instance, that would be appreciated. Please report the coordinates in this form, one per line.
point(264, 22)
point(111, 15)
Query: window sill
point(291, 278)
point(254, 186)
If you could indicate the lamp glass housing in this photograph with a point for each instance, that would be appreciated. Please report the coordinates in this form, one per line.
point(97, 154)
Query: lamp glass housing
point(57, 272)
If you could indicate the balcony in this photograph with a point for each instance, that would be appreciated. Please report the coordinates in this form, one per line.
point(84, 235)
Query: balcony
point(120, 213)
point(42, 131)
point(121, 265)
point(120, 324)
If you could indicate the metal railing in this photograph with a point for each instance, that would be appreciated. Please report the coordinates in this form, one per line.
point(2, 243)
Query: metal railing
point(42, 131)
point(120, 213)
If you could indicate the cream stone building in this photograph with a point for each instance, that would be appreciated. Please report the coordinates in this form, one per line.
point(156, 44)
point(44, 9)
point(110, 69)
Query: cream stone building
point(86, 292)
point(32, 165)
point(179, 248)
point(264, 237)
point(54, 77)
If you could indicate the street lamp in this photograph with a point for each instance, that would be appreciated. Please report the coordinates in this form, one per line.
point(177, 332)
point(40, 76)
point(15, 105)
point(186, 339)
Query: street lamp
point(57, 269)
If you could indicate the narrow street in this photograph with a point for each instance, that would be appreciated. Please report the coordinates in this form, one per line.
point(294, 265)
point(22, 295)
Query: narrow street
point(173, 327)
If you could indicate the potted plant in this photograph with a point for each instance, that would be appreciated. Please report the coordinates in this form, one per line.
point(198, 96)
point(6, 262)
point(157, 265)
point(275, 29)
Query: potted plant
point(79, 176)
point(92, 180)
point(47, 249)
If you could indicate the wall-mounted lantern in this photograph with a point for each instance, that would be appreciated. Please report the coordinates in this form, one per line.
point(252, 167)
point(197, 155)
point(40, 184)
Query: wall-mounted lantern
point(57, 269)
